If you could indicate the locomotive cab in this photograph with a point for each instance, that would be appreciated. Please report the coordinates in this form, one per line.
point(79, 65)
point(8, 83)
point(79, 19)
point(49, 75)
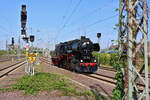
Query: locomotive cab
point(96, 47)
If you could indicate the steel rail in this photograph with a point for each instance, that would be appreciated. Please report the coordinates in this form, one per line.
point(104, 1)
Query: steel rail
point(18, 64)
point(105, 78)
point(5, 60)
point(113, 70)
point(1, 69)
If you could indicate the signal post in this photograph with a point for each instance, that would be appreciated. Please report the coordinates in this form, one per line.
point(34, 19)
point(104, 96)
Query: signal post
point(30, 57)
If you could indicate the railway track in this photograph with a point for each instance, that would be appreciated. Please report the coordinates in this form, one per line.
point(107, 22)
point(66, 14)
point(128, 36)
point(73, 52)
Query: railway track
point(10, 58)
point(106, 68)
point(6, 70)
point(101, 77)
point(112, 70)
point(109, 79)
point(3, 60)
point(44, 60)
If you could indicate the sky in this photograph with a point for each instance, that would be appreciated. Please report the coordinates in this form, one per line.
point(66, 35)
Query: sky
point(54, 21)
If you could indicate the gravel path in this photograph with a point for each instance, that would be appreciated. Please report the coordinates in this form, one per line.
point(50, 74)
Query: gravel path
point(103, 87)
point(19, 95)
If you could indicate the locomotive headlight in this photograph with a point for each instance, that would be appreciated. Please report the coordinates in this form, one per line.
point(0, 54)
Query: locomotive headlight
point(81, 60)
point(94, 60)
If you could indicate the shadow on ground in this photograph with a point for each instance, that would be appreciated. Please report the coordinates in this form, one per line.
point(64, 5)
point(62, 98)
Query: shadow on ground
point(98, 95)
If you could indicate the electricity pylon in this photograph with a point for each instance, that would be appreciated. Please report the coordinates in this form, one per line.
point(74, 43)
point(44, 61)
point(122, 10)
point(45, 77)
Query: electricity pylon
point(133, 20)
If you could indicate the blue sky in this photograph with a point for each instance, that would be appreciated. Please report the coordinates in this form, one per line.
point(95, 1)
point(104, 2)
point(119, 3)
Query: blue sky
point(60, 20)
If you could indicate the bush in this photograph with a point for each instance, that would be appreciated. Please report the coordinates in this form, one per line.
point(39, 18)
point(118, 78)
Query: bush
point(113, 59)
point(2, 52)
point(117, 63)
point(106, 59)
point(110, 59)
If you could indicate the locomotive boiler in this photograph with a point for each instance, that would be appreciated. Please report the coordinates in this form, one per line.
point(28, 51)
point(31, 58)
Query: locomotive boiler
point(76, 55)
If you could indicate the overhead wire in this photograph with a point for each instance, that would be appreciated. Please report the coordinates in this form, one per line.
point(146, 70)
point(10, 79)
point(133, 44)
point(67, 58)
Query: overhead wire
point(5, 21)
point(86, 15)
point(99, 21)
point(96, 22)
point(65, 13)
point(69, 18)
point(3, 29)
point(89, 25)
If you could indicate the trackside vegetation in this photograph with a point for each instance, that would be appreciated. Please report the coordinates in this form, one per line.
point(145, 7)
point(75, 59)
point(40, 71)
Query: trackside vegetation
point(10, 52)
point(106, 59)
point(2, 53)
point(111, 60)
point(47, 82)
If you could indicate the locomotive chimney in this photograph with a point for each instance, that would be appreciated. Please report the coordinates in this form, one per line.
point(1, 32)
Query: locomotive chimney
point(83, 37)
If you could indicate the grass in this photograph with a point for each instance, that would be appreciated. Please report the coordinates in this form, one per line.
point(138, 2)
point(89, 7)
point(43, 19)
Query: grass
point(46, 82)
point(108, 66)
point(2, 53)
point(105, 60)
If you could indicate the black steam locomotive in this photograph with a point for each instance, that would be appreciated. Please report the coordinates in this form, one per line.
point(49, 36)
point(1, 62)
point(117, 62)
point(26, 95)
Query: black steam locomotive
point(76, 55)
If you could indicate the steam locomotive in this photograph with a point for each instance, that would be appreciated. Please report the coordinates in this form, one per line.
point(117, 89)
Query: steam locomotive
point(76, 55)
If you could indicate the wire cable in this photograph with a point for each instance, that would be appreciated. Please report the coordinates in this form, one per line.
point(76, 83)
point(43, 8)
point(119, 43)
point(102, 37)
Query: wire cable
point(3, 29)
point(99, 21)
point(92, 24)
point(65, 13)
point(96, 22)
point(69, 18)
point(84, 16)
